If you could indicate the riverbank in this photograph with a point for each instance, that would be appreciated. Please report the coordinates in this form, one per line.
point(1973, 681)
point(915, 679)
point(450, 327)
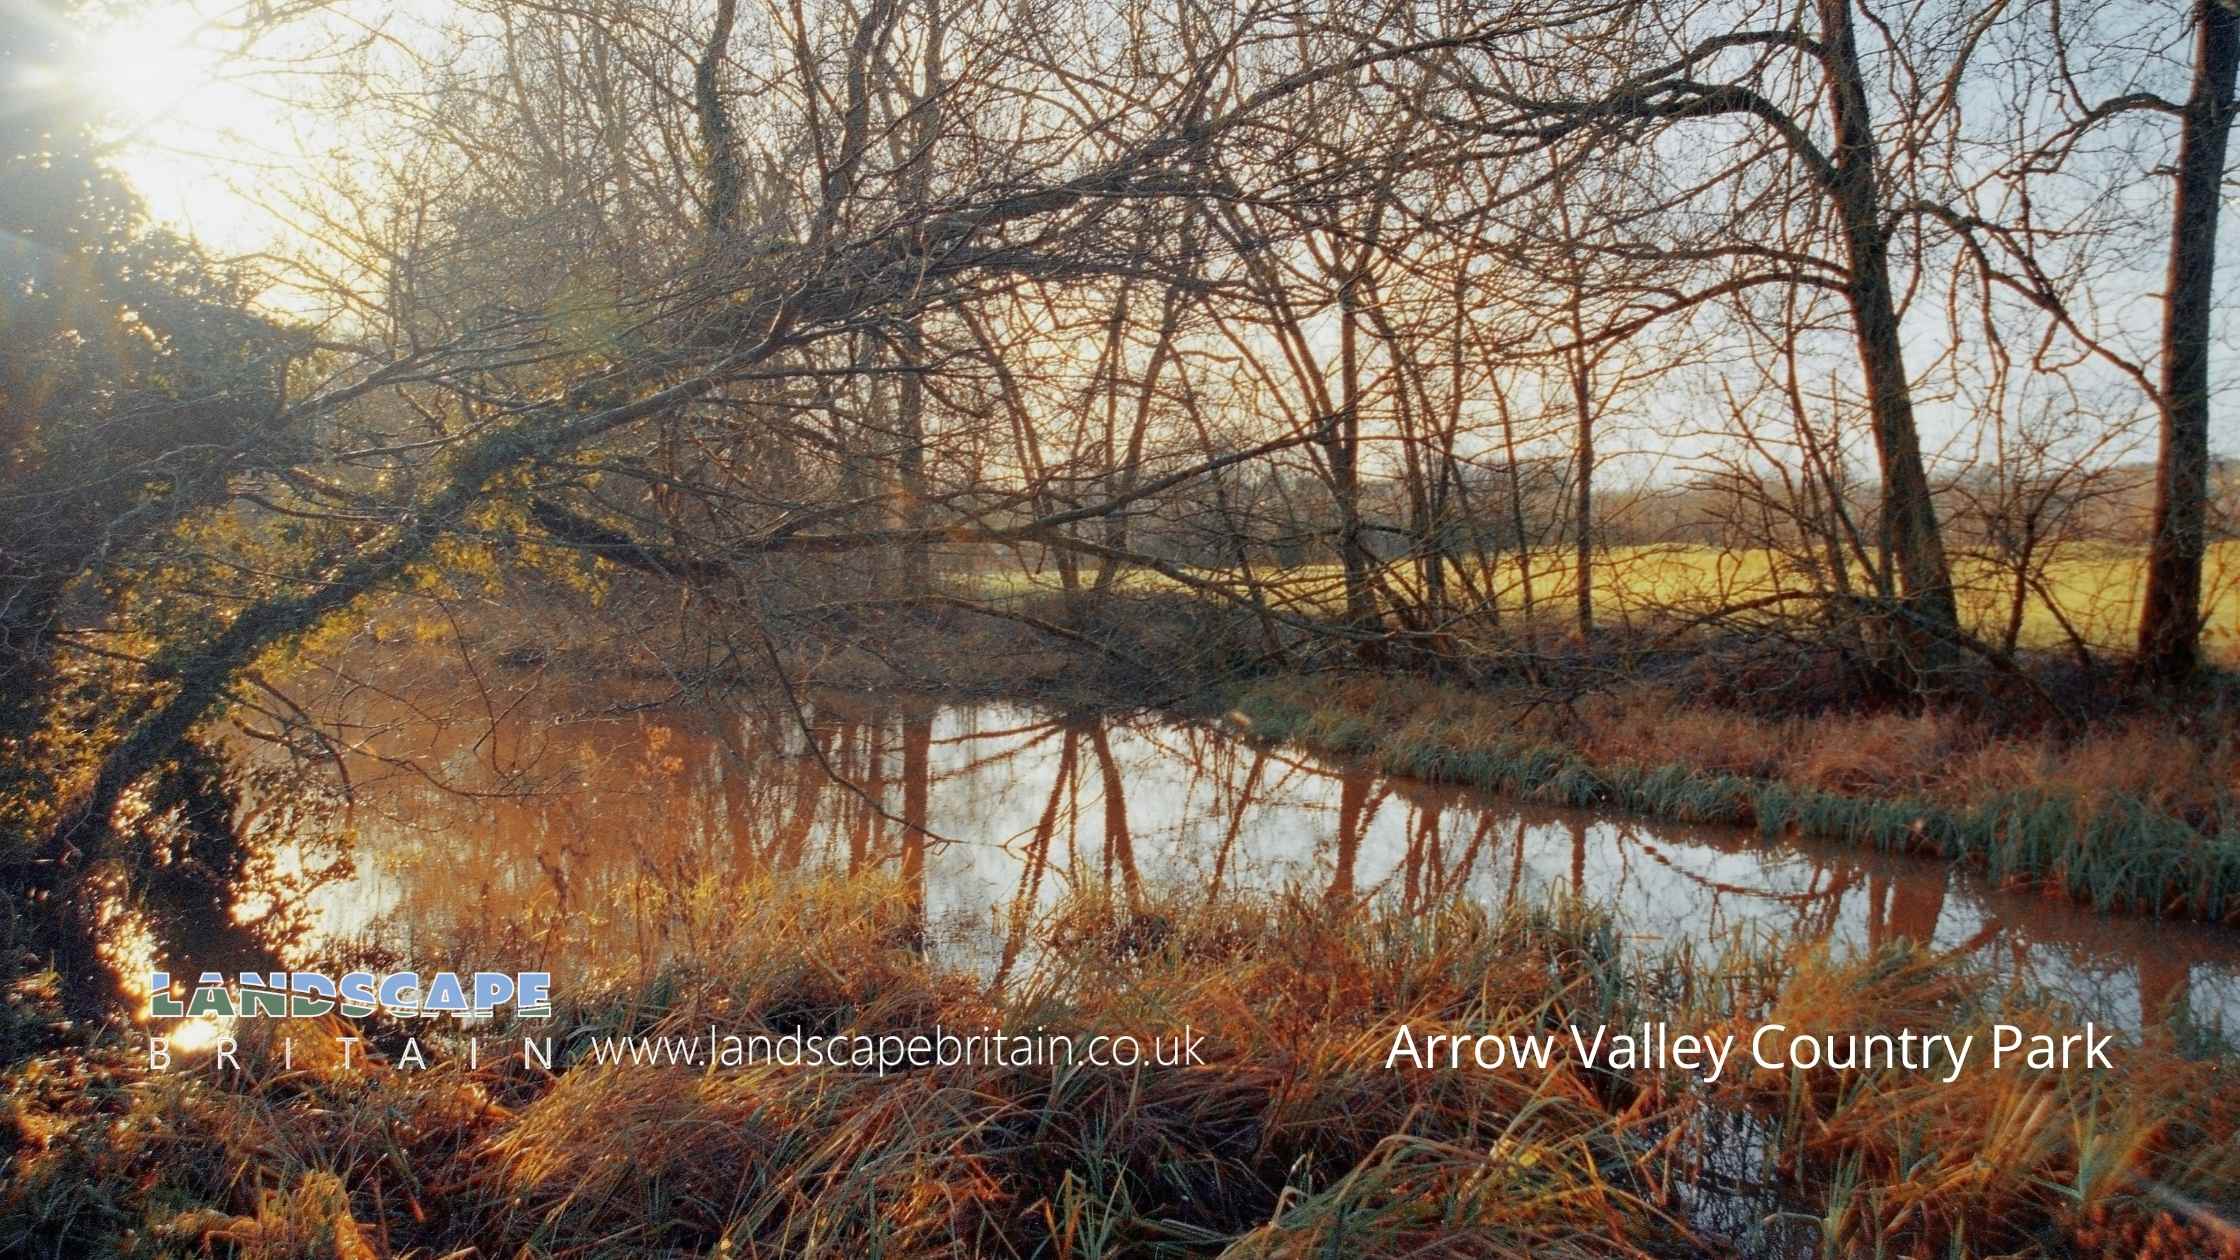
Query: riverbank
point(2130, 815)
point(1290, 1131)
point(2042, 776)
point(2125, 804)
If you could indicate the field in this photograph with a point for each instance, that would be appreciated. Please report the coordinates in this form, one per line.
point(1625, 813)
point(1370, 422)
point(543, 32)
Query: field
point(2084, 593)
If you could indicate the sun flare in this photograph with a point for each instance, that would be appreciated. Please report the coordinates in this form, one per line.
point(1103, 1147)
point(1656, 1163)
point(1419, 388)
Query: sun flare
point(156, 64)
point(191, 111)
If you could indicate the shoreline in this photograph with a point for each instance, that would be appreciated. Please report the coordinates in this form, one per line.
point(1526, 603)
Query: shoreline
point(2110, 851)
point(2131, 814)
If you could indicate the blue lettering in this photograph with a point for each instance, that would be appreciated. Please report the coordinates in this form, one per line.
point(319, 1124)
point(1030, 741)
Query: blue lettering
point(492, 989)
point(400, 989)
point(356, 992)
point(160, 1002)
point(445, 993)
point(314, 995)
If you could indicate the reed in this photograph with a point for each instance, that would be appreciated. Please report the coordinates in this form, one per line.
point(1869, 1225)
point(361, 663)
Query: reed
point(2106, 847)
point(1291, 1139)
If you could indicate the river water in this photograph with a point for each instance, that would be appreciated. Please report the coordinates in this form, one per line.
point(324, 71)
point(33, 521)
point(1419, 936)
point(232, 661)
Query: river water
point(588, 833)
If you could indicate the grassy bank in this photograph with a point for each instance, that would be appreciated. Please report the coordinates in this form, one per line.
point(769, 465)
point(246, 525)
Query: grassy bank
point(2127, 805)
point(2133, 816)
point(1290, 1139)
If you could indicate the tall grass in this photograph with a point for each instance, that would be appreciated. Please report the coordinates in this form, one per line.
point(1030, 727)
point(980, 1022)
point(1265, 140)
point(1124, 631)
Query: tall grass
point(2107, 847)
point(1291, 1140)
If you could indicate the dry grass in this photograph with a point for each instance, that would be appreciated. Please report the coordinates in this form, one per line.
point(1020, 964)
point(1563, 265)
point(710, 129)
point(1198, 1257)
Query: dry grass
point(1877, 754)
point(1908, 1148)
point(1649, 728)
point(1292, 1135)
point(2127, 814)
point(2190, 772)
point(1292, 1140)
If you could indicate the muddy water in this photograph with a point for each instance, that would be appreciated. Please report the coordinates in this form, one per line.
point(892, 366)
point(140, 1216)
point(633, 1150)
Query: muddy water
point(587, 833)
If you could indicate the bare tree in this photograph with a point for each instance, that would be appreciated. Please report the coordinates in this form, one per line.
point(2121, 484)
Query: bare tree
point(1767, 91)
point(2170, 619)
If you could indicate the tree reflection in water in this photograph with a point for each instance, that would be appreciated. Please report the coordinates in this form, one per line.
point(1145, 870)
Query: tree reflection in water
point(608, 837)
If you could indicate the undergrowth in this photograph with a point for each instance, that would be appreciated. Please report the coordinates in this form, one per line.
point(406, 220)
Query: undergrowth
point(1292, 1138)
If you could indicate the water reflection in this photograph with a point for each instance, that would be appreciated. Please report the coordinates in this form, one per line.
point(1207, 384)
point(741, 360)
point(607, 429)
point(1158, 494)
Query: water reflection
point(588, 831)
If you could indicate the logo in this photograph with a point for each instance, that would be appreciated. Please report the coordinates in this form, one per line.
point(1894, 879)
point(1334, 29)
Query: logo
point(356, 994)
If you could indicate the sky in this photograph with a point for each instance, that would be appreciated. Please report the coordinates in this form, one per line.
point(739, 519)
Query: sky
point(196, 125)
point(206, 133)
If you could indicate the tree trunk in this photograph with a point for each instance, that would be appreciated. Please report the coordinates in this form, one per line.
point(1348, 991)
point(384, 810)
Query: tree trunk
point(917, 184)
point(1582, 398)
point(2170, 621)
point(910, 466)
point(1344, 447)
point(716, 133)
point(1909, 518)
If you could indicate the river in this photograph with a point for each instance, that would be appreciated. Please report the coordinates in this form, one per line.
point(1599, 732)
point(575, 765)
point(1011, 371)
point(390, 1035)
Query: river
point(584, 832)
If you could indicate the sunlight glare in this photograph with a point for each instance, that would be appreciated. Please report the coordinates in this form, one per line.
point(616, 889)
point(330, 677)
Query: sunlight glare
point(190, 117)
point(152, 66)
point(132, 955)
point(193, 1036)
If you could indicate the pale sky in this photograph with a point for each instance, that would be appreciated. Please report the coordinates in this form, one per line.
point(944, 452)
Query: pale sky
point(209, 138)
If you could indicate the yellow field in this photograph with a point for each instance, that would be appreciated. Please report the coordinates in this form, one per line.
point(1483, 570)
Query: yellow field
point(2094, 590)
